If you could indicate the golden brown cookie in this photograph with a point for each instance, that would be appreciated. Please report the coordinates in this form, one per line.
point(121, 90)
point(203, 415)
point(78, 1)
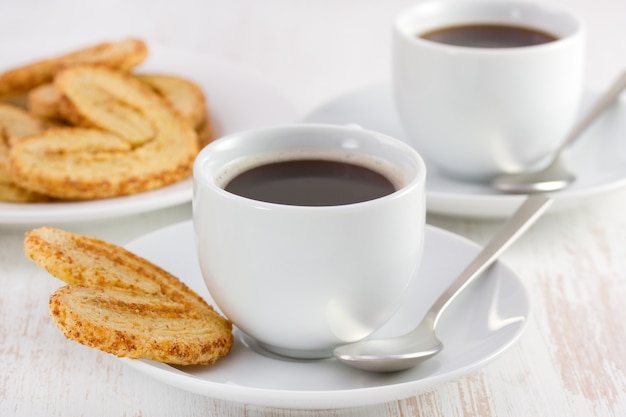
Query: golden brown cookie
point(11, 193)
point(186, 96)
point(15, 125)
point(43, 102)
point(110, 101)
point(122, 55)
point(188, 99)
point(123, 304)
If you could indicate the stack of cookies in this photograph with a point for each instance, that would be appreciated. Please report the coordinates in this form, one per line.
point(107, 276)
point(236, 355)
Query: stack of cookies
point(123, 304)
point(90, 128)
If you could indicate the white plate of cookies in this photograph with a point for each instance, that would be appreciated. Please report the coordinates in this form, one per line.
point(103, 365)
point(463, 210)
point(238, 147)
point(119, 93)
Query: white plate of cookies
point(110, 129)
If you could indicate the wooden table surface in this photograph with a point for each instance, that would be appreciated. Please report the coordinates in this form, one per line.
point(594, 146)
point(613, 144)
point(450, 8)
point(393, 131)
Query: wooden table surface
point(571, 360)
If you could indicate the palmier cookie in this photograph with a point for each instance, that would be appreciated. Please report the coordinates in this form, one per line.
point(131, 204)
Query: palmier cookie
point(122, 56)
point(16, 125)
point(125, 305)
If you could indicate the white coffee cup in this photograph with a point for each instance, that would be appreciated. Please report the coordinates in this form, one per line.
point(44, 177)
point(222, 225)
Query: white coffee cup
point(477, 112)
point(302, 279)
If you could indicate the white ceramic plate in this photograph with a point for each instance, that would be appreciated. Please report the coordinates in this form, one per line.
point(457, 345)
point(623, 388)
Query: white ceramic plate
point(598, 159)
point(481, 324)
point(237, 101)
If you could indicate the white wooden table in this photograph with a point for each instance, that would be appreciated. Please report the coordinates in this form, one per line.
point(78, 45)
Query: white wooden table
point(571, 361)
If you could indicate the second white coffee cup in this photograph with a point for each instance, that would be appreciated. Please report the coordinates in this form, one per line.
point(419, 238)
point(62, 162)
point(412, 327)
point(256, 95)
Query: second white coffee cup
point(476, 111)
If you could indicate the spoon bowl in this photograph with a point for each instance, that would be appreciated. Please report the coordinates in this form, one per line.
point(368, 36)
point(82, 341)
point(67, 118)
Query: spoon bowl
point(394, 353)
point(555, 176)
point(409, 350)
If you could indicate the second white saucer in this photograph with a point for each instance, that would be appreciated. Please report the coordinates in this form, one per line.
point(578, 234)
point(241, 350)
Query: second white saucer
point(598, 158)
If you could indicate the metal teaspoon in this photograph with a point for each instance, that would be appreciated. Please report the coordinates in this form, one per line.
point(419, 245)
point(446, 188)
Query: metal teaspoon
point(407, 351)
point(555, 176)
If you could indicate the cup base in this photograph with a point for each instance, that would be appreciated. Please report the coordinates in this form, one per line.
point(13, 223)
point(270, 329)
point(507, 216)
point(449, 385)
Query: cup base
point(298, 354)
point(279, 353)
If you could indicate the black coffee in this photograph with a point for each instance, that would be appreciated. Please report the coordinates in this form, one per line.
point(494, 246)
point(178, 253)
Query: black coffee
point(489, 36)
point(311, 183)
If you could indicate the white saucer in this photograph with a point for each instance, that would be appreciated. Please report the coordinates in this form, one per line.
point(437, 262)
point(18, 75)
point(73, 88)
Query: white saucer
point(481, 324)
point(598, 158)
point(237, 101)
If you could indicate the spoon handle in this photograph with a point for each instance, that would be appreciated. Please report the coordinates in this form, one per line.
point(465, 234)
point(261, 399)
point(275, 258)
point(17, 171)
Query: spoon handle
point(603, 102)
point(522, 219)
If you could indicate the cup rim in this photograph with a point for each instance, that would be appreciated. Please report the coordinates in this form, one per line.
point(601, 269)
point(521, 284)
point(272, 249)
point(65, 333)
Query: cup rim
point(418, 180)
point(578, 31)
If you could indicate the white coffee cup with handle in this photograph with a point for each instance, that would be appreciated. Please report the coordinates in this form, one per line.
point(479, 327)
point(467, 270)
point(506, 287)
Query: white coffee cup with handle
point(477, 111)
point(298, 277)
